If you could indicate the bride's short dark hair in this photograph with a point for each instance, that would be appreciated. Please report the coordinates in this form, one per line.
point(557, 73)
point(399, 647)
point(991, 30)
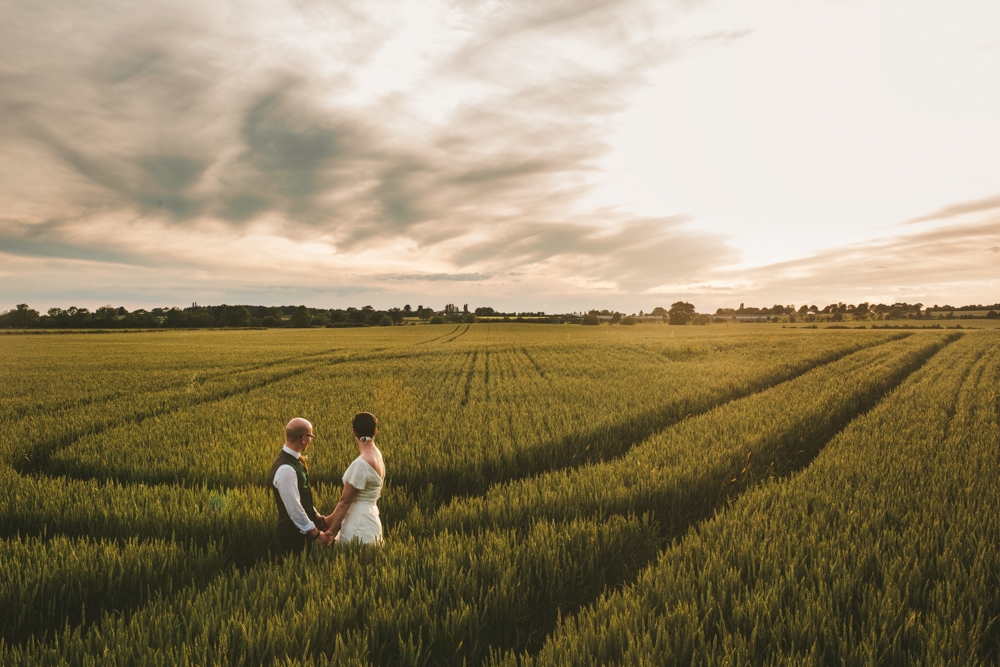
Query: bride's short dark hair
point(364, 424)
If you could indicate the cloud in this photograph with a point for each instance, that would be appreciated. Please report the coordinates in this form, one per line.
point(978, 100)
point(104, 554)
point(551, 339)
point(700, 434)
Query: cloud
point(50, 239)
point(633, 255)
point(725, 36)
point(962, 208)
point(955, 262)
point(224, 141)
point(434, 277)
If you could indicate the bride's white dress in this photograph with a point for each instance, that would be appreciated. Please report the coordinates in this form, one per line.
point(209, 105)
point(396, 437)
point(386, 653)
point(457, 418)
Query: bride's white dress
point(362, 521)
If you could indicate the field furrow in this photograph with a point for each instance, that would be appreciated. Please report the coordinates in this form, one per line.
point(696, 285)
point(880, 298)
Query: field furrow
point(681, 474)
point(881, 552)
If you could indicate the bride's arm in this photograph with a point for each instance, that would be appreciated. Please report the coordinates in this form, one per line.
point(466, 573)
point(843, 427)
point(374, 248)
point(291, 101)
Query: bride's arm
point(347, 498)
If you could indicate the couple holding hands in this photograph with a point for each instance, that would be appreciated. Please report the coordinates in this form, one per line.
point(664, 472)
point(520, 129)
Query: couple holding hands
point(356, 515)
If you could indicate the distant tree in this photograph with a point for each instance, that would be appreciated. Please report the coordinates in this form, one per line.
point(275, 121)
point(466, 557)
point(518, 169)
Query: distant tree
point(234, 316)
point(22, 317)
point(702, 319)
point(616, 318)
point(200, 317)
point(424, 313)
point(485, 310)
point(407, 309)
point(268, 311)
point(469, 318)
point(450, 309)
point(681, 312)
point(992, 315)
point(302, 318)
point(385, 321)
point(437, 319)
point(895, 314)
point(106, 316)
point(659, 311)
point(141, 318)
point(590, 320)
point(629, 321)
point(80, 317)
point(177, 318)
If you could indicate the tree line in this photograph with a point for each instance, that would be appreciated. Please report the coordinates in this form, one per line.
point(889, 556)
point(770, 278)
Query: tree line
point(225, 315)
point(679, 313)
point(837, 312)
point(201, 317)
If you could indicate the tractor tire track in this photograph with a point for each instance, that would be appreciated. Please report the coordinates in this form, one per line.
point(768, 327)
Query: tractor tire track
point(600, 443)
point(459, 335)
point(424, 342)
point(36, 459)
point(705, 495)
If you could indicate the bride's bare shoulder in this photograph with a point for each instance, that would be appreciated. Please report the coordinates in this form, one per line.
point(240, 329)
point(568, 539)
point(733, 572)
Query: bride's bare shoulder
point(374, 459)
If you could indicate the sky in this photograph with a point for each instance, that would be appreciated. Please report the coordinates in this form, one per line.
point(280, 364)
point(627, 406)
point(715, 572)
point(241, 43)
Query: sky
point(556, 156)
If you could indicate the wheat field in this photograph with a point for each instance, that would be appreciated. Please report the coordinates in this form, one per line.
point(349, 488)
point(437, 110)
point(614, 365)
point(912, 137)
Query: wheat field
point(555, 495)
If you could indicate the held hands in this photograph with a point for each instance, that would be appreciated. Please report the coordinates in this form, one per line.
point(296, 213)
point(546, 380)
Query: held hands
point(326, 534)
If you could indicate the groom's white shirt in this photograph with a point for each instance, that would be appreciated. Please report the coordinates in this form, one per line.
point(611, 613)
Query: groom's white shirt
point(288, 488)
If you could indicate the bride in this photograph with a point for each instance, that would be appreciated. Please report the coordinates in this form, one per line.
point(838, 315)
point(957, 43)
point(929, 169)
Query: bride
point(356, 515)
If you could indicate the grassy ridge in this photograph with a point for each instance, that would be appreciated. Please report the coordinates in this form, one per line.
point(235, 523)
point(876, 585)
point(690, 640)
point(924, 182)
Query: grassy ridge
point(882, 552)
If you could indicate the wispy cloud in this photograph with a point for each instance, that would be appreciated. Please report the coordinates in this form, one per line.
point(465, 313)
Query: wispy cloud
point(938, 265)
point(435, 277)
point(961, 208)
point(725, 36)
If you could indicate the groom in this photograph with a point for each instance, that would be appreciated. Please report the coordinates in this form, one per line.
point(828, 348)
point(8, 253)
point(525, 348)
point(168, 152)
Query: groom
point(299, 524)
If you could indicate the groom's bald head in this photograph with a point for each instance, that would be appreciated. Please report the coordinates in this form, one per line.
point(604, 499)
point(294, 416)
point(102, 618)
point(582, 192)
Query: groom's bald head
point(297, 428)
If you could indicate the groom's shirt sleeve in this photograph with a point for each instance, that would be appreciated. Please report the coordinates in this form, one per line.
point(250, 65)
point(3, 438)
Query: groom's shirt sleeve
point(288, 489)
